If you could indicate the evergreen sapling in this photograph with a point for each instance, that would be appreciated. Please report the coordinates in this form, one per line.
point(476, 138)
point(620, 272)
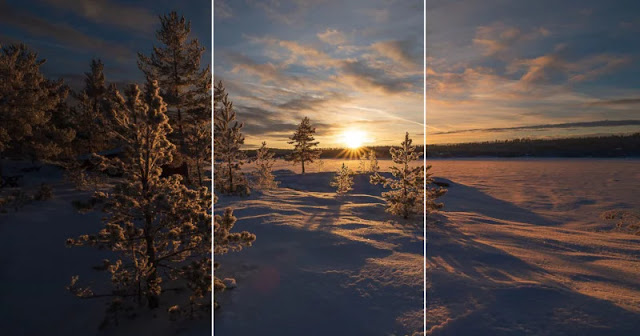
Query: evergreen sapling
point(343, 180)
point(407, 184)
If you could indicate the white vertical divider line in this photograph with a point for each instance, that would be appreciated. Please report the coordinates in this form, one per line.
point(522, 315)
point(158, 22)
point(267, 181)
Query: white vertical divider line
point(424, 158)
point(212, 150)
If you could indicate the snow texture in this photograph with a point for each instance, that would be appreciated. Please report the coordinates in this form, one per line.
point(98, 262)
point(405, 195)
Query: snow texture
point(521, 248)
point(36, 267)
point(322, 264)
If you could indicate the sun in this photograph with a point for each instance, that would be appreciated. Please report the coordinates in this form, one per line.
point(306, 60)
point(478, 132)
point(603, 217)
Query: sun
point(353, 138)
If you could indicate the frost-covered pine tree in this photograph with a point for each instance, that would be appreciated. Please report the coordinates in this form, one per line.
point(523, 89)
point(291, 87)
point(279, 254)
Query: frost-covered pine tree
point(407, 184)
point(176, 65)
point(263, 178)
point(370, 162)
point(228, 139)
point(158, 229)
point(31, 107)
point(198, 144)
point(198, 138)
point(225, 241)
point(433, 193)
point(89, 113)
point(343, 180)
point(303, 141)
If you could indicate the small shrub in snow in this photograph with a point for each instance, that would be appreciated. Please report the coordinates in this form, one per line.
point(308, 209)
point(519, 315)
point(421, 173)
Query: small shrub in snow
point(263, 178)
point(369, 162)
point(343, 180)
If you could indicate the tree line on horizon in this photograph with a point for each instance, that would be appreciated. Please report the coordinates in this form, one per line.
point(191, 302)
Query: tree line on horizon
point(591, 146)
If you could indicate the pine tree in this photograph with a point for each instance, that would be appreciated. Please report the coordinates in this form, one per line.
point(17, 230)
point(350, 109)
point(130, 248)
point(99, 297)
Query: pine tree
point(176, 66)
point(198, 139)
point(30, 107)
point(369, 162)
point(407, 186)
point(303, 142)
point(198, 144)
point(263, 175)
point(228, 139)
point(343, 180)
point(225, 241)
point(89, 113)
point(432, 194)
point(159, 230)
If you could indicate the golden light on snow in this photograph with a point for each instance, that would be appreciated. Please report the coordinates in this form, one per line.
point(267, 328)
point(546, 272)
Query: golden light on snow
point(353, 138)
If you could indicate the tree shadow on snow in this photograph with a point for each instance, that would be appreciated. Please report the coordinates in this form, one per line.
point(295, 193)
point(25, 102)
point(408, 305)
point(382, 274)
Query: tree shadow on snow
point(463, 198)
point(485, 291)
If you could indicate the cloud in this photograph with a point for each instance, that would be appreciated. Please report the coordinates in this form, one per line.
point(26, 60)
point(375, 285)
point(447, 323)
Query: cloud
point(259, 122)
point(377, 15)
point(266, 72)
point(498, 37)
point(287, 12)
point(222, 9)
point(586, 124)
point(110, 12)
point(68, 36)
point(546, 68)
point(401, 51)
point(541, 69)
point(615, 102)
point(332, 36)
point(360, 73)
point(295, 53)
point(311, 102)
point(597, 65)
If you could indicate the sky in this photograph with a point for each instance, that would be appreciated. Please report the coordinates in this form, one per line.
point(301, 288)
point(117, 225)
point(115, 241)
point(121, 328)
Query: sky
point(69, 33)
point(347, 65)
point(499, 69)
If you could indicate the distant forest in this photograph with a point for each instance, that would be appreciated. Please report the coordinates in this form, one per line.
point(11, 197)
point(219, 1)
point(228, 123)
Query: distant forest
point(596, 146)
point(382, 152)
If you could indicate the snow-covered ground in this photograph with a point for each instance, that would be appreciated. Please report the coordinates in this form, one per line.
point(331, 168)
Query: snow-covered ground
point(321, 264)
point(36, 266)
point(523, 248)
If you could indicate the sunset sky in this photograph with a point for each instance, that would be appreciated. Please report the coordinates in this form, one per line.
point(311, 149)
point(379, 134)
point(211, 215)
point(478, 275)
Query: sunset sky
point(69, 33)
point(505, 69)
point(354, 65)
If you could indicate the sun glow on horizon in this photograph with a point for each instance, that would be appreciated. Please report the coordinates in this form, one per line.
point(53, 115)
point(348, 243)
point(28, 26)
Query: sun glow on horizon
point(353, 139)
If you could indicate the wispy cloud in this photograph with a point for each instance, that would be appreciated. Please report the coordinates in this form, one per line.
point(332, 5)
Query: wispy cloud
point(66, 35)
point(332, 36)
point(334, 69)
point(586, 124)
point(488, 70)
point(222, 9)
point(109, 12)
point(615, 102)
